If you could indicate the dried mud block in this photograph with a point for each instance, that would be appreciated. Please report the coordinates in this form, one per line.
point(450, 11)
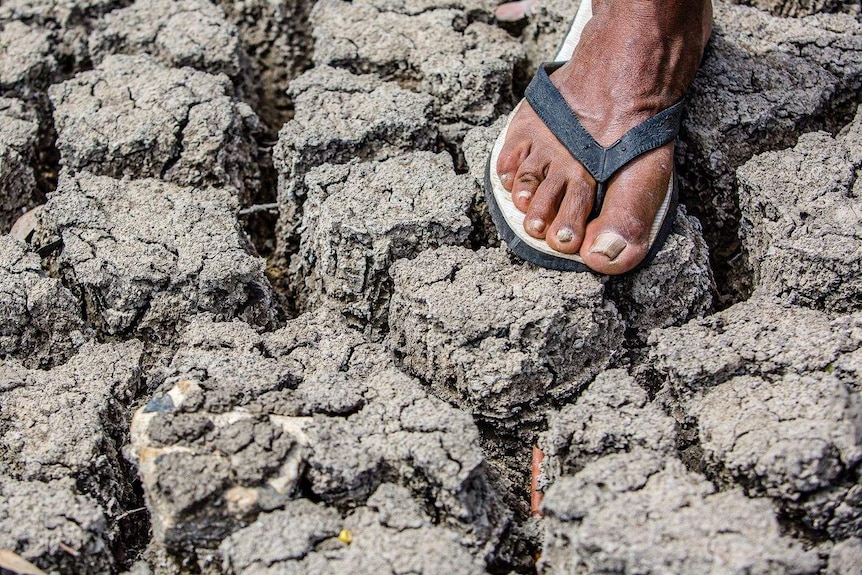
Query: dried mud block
point(277, 39)
point(795, 8)
point(641, 513)
point(133, 117)
point(613, 415)
point(27, 64)
point(795, 439)
point(498, 338)
point(674, 288)
point(741, 103)
point(359, 218)
point(845, 557)
point(802, 221)
point(19, 130)
point(70, 421)
point(192, 33)
point(145, 255)
point(312, 403)
point(340, 117)
point(68, 22)
point(547, 26)
point(41, 521)
point(391, 535)
point(467, 68)
point(757, 337)
point(42, 324)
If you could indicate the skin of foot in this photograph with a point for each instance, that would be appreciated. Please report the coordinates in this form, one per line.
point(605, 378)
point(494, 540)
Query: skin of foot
point(635, 58)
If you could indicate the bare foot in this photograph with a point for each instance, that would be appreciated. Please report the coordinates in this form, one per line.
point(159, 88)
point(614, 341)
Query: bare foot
point(635, 58)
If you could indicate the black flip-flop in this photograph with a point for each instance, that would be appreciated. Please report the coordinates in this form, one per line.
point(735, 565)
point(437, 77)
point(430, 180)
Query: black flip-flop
point(601, 162)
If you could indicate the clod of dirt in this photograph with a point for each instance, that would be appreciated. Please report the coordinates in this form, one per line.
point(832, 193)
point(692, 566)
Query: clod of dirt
point(802, 220)
point(19, 132)
point(52, 525)
point(797, 8)
point(340, 117)
point(359, 218)
point(389, 536)
point(133, 117)
point(774, 408)
point(795, 438)
point(496, 338)
point(613, 415)
point(845, 557)
point(307, 411)
point(27, 64)
point(641, 512)
point(145, 255)
point(466, 67)
point(42, 324)
point(192, 33)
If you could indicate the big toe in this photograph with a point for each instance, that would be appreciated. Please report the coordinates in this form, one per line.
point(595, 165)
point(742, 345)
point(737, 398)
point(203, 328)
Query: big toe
point(620, 238)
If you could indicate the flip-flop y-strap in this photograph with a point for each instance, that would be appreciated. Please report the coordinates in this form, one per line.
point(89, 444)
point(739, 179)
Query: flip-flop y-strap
point(600, 162)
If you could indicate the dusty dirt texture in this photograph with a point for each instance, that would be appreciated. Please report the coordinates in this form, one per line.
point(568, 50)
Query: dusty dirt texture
point(366, 399)
point(144, 255)
point(192, 33)
point(802, 220)
point(772, 406)
point(342, 117)
point(359, 218)
point(42, 323)
point(19, 131)
point(639, 512)
point(255, 414)
point(495, 338)
point(133, 117)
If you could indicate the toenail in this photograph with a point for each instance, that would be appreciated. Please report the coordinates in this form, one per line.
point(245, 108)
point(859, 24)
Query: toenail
point(505, 177)
point(525, 195)
point(565, 235)
point(537, 226)
point(608, 243)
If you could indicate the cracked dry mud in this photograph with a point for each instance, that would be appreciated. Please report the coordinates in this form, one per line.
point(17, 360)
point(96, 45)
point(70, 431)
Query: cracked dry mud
point(363, 397)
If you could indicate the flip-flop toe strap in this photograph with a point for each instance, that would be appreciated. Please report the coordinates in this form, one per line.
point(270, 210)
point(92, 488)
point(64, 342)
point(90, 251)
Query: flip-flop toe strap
point(600, 162)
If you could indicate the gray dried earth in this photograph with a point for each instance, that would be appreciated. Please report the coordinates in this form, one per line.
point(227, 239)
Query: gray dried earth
point(362, 395)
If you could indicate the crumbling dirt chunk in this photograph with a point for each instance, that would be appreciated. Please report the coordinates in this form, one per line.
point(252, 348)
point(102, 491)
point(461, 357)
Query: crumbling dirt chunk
point(846, 557)
point(612, 415)
point(67, 22)
point(795, 439)
point(758, 337)
point(192, 33)
point(26, 62)
point(467, 68)
point(497, 338)
point(391, 535)
point(547, 25)
point(774, 409)
point(802, 220)
point(19, 131)
point(146, 254)
point(639, 512)
point(310, 410)
point(340, 117)
point(71, 421)
point(42, 521)
point(42, 324)
point(797, 8)
point(132, 117)
point(359, 218)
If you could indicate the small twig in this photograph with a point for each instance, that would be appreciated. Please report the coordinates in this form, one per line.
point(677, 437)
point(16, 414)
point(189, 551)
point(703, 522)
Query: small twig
point(258, 208)
point(69, 550)
point(129, 512)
